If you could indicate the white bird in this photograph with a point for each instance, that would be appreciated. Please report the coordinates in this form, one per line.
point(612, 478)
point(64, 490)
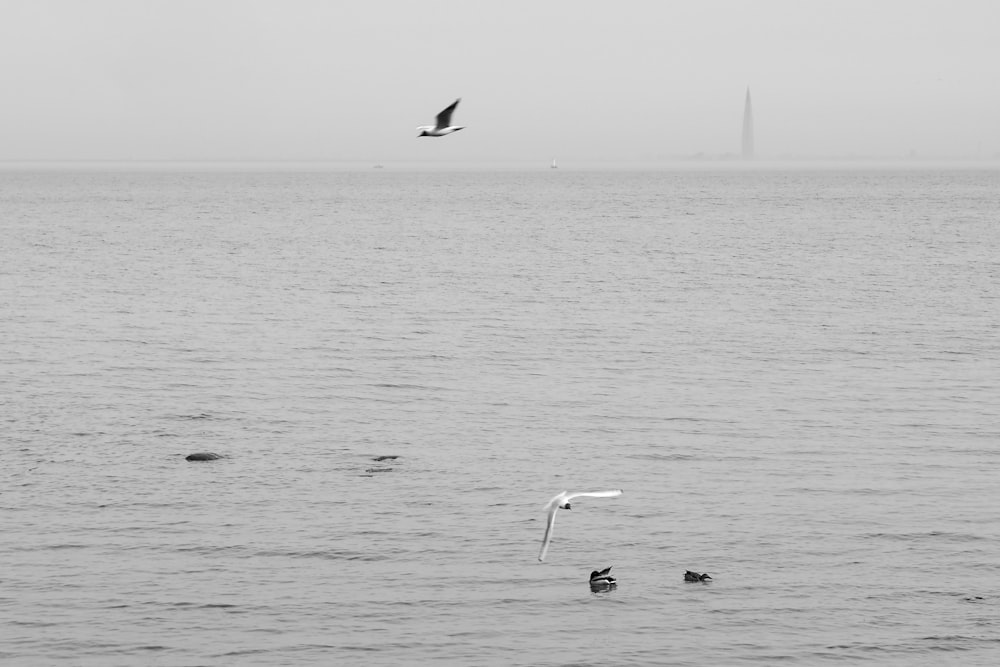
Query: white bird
point(562, 502)
point(443, 124)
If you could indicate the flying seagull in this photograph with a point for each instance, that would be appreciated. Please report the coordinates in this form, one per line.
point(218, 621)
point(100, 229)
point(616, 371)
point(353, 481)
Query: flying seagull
point(562, 502)
point(443, 125)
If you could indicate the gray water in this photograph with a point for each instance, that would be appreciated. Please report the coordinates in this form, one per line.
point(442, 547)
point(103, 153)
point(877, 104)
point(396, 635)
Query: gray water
point(793, 375)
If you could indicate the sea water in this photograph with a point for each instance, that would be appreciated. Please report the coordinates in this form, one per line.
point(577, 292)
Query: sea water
point(793, 374)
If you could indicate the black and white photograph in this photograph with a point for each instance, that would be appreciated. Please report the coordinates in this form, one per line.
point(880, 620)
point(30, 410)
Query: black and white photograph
point(519, 334)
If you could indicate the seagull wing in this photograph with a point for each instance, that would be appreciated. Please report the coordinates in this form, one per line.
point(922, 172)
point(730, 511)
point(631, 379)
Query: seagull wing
point(548, 530)
point(444, 118)
point(557, 500)
point(594, 494)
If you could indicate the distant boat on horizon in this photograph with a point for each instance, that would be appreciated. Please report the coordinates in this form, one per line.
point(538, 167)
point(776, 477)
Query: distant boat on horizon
point(553, 165)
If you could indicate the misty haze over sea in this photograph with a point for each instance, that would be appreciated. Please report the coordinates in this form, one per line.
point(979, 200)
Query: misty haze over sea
point(582, 81)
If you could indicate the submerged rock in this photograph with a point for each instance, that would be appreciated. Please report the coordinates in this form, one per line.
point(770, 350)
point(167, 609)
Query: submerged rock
point(202, 456)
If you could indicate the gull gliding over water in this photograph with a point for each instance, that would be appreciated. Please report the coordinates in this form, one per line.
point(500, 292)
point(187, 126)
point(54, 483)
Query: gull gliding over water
point(443, 124)
point(562, 502)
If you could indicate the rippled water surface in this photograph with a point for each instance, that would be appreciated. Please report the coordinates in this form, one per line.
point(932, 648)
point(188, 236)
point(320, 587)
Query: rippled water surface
point(793, 375)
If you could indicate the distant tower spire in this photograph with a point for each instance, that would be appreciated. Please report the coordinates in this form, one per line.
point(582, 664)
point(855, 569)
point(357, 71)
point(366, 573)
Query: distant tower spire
point(748, 128)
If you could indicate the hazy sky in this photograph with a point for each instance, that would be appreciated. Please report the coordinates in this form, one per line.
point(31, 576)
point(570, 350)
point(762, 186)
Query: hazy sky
point(577, 79)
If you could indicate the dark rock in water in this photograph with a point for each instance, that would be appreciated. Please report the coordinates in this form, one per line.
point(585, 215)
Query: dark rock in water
point(386, 457)
point(379, 470)
point(202, 456)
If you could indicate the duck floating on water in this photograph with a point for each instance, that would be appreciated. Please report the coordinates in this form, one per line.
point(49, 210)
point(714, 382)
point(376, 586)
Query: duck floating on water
point(602, 579)
point(694, 576)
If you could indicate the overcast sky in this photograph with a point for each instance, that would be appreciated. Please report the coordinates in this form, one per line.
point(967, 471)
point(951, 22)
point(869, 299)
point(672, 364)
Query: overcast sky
point(575, 79)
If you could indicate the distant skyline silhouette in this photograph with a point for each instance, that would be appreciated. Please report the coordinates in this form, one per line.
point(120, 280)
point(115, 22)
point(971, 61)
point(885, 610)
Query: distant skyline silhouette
point(748, 147)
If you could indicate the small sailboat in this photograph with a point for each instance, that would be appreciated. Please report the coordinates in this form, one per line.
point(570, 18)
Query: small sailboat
point(553, 165)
